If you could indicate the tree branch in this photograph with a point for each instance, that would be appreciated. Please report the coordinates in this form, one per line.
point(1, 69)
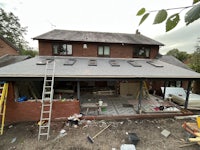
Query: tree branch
point(185, 7)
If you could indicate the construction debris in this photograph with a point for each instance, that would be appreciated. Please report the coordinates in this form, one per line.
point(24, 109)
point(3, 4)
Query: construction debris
point(193, 129)
point(165, 133)
point(186, 117)
point(74, 120)
point(13, 140)
point(127, 147)
point(61, 134)
point(132, 138)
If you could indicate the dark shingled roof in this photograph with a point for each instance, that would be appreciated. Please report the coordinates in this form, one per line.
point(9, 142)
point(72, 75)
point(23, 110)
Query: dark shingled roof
point(102, 37)
point(174, 61)
point(11, 59)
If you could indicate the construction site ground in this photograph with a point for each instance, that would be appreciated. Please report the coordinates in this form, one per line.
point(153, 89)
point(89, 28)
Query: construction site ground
point(24, 135)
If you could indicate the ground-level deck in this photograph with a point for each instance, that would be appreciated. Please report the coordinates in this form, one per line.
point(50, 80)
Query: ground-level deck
point(118, 107)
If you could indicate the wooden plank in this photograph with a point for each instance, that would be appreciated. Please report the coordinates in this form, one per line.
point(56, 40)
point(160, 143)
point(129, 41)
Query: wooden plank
point(186, 117)
point(197, 139)
point(187, 144)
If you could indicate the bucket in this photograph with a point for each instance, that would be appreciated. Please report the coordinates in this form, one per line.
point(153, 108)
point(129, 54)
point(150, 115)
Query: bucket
point(198, 121)
point(103, 109)
point(127, 147)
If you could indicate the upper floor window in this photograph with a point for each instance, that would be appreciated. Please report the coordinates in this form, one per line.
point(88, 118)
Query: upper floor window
point(62, 49)
point(142, 52)
point(104, 51)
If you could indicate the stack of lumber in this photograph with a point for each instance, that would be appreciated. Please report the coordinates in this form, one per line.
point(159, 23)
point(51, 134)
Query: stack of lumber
point(193, 129)
point(105, 92)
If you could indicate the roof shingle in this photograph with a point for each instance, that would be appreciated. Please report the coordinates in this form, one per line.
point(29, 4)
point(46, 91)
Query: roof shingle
point(102, 37)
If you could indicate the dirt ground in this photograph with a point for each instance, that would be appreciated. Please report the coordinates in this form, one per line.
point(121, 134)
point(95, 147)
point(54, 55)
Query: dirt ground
point(23, 136)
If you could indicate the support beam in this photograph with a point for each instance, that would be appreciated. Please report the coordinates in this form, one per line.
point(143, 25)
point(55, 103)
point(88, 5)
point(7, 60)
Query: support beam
point(140, 97)
point(78, 90)
point(188, 94)
point(165, 83)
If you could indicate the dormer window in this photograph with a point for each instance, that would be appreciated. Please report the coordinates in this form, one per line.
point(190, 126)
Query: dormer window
point(62, 49)
point(142, 52)
point(104, 51)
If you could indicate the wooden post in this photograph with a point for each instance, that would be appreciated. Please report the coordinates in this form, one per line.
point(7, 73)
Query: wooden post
point(78, 90)
point(187, 94)
point(140, 97)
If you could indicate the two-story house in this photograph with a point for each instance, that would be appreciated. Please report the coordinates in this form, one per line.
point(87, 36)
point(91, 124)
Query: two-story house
point(90, 66)
point(97, 44)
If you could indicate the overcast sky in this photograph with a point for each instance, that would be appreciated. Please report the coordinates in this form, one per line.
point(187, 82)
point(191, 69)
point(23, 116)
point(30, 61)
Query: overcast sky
point(41, 16)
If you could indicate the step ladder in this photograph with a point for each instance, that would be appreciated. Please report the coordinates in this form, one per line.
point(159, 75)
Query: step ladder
point(145, 91)
point(3, 98)
point(47, 97)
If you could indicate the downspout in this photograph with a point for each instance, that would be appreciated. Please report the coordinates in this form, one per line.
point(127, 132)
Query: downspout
point(188, 94)
point(78, 90)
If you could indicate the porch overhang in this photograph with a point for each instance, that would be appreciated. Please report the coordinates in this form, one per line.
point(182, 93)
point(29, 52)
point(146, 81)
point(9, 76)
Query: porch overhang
point(104, 69)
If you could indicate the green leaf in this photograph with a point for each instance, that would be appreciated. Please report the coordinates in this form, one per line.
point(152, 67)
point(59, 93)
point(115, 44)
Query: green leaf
point(172, 21)
point(141, 11)
point(144, 18)
point(160, 17)
point(193, 14)
point(195, 1)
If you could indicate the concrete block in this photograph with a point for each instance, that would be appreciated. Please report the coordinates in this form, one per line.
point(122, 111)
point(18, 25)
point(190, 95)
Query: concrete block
point(127, 147)
point(165, 133)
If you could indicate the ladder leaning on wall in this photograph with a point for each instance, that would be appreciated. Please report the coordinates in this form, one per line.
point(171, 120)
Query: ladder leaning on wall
point(47, 97)
point(145, 92)
point(3, 98)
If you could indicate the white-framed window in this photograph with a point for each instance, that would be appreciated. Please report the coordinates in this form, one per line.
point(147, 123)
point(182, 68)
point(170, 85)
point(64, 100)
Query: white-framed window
point(62, 49)
point(104, 51)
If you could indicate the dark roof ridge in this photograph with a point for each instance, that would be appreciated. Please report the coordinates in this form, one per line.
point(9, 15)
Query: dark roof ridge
point(93, 36)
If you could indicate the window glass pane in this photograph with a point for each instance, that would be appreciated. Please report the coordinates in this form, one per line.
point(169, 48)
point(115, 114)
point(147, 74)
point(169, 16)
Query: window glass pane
point(147, 52)
point(100, 50)
point(55, 49)
point(69, 49)
point(63, 50)
point(106, 50)
point(141, 52)
point(178, 83)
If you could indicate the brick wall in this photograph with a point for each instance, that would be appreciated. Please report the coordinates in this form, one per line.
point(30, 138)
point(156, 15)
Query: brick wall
point(121, 51)
point(116, 50)
point(154, 51)
point(45, 48)
point(6, 49)
point(30, 110)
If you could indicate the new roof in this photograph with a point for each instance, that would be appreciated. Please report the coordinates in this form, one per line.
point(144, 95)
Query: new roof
point(84, 67)
point(102, 37)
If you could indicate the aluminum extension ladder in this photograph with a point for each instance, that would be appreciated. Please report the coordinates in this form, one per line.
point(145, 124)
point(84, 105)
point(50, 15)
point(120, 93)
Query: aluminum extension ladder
point(3, 98)
point(47, 97)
